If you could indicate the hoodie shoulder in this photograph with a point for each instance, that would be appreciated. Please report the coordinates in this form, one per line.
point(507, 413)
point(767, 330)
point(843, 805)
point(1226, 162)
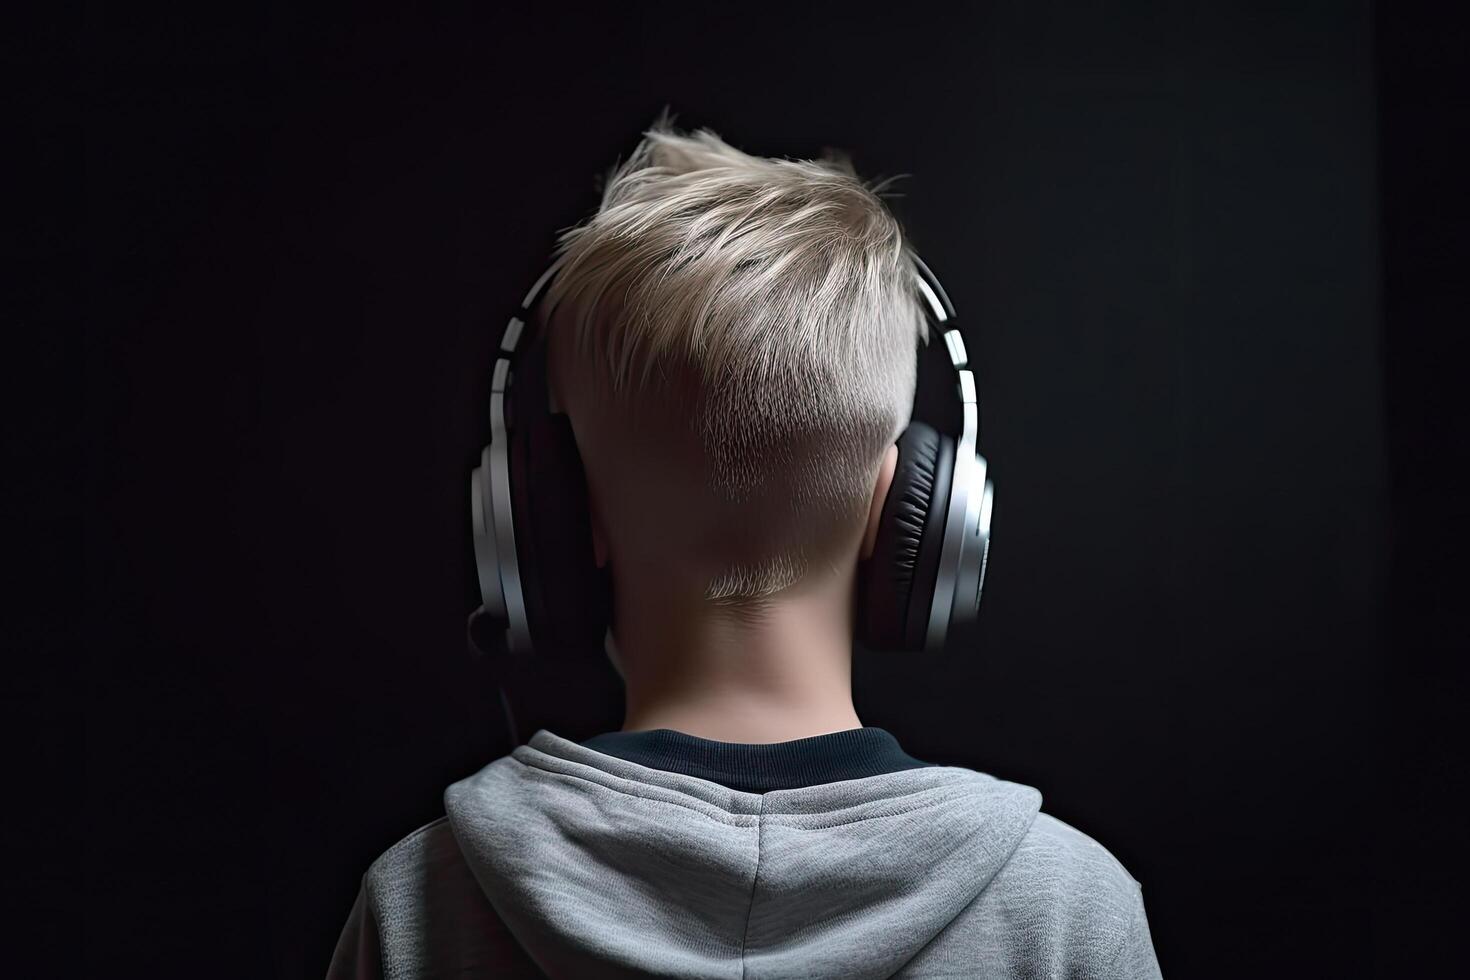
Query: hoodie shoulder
point(431, 914)
point(1060, 852)
point(409, 864)
point(424, 875)
point(1063, 885)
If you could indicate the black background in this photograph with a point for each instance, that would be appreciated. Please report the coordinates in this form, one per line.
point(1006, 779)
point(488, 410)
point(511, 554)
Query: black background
point(1206, 257)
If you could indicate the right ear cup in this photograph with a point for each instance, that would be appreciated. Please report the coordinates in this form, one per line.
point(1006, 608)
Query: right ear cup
point(896, 584)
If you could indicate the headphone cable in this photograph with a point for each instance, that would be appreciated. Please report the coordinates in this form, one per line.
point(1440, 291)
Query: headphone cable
point(494, 661)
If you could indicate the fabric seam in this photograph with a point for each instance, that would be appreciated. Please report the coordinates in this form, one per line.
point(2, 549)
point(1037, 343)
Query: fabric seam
point(415, 835)
point(760, 825)
point(407, 841)
point(758, 814)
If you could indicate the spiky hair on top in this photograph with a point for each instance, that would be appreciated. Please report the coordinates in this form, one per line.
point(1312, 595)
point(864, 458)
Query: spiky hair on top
point(786, 288)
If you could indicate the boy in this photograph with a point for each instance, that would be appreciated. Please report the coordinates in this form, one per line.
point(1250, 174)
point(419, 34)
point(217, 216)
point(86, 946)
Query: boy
point(733, 339)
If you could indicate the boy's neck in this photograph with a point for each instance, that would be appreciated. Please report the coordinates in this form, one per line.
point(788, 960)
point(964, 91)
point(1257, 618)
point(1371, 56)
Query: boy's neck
point(782, 674)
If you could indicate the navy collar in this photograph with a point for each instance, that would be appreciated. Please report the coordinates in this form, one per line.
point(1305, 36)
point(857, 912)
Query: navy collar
point(762, 767)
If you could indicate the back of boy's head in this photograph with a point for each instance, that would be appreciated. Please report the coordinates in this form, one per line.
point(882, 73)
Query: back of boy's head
point(734, 339)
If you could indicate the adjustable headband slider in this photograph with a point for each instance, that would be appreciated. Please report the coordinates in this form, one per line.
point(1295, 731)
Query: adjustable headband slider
point(967, 388)
point(502, 372)
point(512, 334)
point(956, 345)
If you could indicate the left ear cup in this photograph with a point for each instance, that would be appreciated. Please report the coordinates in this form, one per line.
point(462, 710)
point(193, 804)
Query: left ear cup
point(568, 598)
point(896, 584)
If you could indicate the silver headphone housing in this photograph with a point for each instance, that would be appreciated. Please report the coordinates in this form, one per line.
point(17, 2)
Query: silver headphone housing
point(966, 545)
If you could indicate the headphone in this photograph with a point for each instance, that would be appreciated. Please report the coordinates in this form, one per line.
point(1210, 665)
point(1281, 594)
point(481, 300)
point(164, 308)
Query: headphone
point(539, 581)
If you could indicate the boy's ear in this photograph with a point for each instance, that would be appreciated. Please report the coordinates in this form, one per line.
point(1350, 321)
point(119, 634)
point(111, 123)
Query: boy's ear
point(880, 494)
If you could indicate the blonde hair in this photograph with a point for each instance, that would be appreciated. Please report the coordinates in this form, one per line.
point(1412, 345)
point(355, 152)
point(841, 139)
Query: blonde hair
point(782, 293)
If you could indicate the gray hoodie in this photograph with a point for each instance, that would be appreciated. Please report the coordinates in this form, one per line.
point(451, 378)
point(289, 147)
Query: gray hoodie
point(559, 860)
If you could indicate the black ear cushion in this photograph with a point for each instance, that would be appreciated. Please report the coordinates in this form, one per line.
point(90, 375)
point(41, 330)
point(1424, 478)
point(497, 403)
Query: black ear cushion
point(568, 598)
point(896, 584)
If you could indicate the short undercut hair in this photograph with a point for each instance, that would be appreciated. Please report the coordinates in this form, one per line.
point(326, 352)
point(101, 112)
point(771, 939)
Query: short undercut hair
point(770, 302)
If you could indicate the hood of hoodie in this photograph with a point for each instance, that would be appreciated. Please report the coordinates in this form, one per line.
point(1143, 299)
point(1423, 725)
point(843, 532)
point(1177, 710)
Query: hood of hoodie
point(602, 867)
